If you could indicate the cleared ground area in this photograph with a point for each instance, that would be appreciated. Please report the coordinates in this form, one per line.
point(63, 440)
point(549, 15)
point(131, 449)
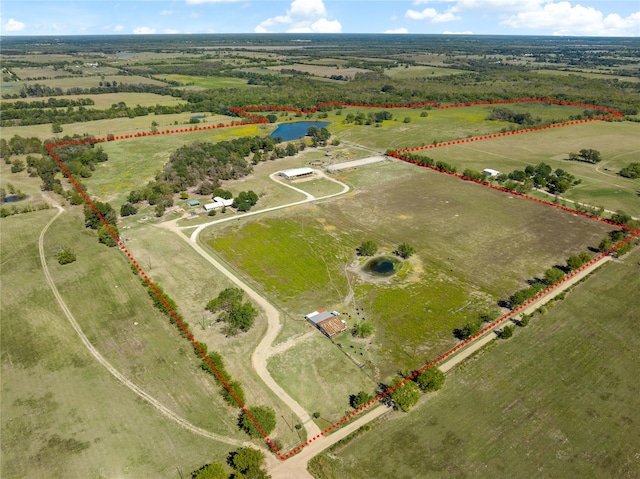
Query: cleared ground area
point(560, 399)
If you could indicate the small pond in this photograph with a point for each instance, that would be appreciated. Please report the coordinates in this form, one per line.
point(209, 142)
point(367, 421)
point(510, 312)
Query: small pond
point(198, 116)
point(383, 266)
point(293, 131)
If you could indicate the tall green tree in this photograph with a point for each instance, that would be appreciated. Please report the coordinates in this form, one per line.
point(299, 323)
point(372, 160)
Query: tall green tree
point(263, 415)
point(405, 250)
point(553, 276)
point(406, 396)
point(367, 248)
point(431, 379)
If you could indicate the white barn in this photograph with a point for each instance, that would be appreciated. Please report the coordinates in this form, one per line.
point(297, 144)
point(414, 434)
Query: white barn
point(217, 203)
point(296, 173)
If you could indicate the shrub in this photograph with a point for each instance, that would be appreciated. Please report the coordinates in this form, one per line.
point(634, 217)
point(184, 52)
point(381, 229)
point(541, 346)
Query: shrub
point(66, 256)
point(431, 379)
point(263, 415)
point(507, 332)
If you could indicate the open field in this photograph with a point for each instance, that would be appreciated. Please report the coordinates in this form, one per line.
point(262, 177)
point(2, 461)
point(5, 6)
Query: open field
point(80, 82)
point(317, 186)
point(62, 414)
point(191, 281)
point(474, 246)
point(213, 83)
point(119, 126)
point(560, 399)
point(421, 72)
point(618, 142)
point(135, 161)
point(23, 182)
point(320, 70)
point(105, 100)
point(439, 125)
point(588, 75)
point(37, 74)
point(317, 361)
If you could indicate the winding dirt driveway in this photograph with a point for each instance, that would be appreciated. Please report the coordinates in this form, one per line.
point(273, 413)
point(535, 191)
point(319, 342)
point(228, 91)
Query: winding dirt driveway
point(264, 350)
point(107, 365)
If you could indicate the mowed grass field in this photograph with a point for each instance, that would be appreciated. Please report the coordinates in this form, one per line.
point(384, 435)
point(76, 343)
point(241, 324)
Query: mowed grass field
point(475, 246)
point(618, 143)
point(420, 71)
point(79, 81)
point(62, 414)
point(560, 399)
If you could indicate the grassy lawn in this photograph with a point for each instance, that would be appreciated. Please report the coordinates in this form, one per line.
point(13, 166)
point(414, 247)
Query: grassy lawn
point(211, 83)
point(560, 399)
point(318, 187)
point(62, 414)
point(618, 143)
point(316, 361)
point(23, 182)
point(474, 247)
point(588, 75)
point(320, 70)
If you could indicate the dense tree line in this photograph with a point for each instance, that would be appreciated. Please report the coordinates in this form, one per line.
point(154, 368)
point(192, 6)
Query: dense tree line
point(632, 171)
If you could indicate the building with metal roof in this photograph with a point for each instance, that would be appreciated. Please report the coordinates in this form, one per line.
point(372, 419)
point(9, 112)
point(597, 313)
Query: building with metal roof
point(327, 322)
point(296, 173)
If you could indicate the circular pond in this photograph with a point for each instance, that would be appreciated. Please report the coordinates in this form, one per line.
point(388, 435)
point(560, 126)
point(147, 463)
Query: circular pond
point(383, 266)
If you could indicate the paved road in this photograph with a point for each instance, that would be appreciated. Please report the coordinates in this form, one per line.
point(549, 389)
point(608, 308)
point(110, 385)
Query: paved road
point(108, 366)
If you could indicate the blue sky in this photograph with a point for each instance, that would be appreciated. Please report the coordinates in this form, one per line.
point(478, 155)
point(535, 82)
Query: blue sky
point(504, 17)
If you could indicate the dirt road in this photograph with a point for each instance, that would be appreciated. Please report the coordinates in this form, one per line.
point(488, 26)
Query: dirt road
point(114, 372)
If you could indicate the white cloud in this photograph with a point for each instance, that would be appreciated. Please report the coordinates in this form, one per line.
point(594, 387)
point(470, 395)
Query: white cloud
point(166, 12)
point(171, 31)
point(118, 28)
point(13, 25)
point(303, 16)
point(144, 30)
point(456, 33)
point(199, 2)
point(432, 15)
point(397, 30)
point(564, 19)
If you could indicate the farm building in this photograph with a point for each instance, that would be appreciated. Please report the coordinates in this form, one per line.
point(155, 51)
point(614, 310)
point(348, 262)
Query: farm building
point(218, 202)
point(327, 322)
point(490, 172)
point(296, 173)
point(193, 203)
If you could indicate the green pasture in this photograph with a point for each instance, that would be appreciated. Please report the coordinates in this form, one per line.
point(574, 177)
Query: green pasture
point(588, 75)
point(62, 414)
point(106, 100)
point(191, 281)
point(80, 82)
point(474, 246)
point(318, 187)
point(313, 373)
point(560, 399)
point(618, 143)
point(420, 71)
point(210, 83)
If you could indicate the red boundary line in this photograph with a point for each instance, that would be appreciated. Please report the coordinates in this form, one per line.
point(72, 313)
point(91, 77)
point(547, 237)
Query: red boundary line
point(608, 113)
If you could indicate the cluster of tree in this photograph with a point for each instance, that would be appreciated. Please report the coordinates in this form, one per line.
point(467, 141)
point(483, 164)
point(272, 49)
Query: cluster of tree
point(540, 176)
point(405, 250)
point(237, 315)
point(245, 200)
point(631, 171)
point(263, 415)
point(363, 329)
point(614, 238)
point(212, 363)
point(66, 256)
point(18, 145)
point(551, 276)
point(319, 136)
point(588, 155)
point(367, 248)
point(504, 114)
point(246, 462)
point(13, 191)
point(368, 118)
point(103, 218)
point(423, 160)
point(15, 210)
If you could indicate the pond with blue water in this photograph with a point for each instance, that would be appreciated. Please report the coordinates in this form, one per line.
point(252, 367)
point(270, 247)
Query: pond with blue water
point(383, 266)
point(293, 131)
